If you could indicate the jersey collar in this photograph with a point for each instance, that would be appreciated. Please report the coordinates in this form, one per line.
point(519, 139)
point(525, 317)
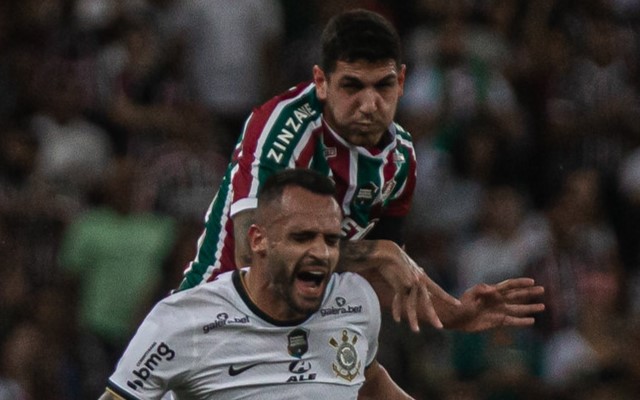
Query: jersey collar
point(242, 291)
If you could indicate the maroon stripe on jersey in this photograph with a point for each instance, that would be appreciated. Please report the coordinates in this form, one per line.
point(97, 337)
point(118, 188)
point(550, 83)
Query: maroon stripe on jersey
point(339, 164)
point(389, 171)
point(401, 206)
point(244, 157)
point(226, 261)
point(307, 153)
point(242, 178)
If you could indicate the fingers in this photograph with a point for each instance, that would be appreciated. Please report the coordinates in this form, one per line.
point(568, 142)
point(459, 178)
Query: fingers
point(515, 283)
point(427, 306)
point(435, 291)
point(519, 315)
point(412, 304)
point(518, 322)
point(407, 304)
point(523, 295)
point(411, 308)
point(396, 307)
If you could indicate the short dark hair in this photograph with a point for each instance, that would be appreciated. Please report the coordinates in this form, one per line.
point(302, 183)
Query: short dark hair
point(359, 35)
point(305, 178)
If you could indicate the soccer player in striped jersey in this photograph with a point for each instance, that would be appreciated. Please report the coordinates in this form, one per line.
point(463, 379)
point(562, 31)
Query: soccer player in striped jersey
point(341, 124)
point(287, 327)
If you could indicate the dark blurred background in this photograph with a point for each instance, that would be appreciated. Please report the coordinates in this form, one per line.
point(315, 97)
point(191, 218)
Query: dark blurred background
point(117, 119)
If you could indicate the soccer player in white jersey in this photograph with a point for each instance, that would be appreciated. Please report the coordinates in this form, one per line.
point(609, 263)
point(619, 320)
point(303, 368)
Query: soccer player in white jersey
point(341, 125)
point(287, 327)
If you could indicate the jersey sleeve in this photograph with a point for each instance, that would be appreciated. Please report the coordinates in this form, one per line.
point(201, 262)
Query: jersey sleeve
point(157, 359)
point(271, 141)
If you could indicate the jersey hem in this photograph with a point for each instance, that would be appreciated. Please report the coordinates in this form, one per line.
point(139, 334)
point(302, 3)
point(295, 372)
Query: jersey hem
point(119, 392)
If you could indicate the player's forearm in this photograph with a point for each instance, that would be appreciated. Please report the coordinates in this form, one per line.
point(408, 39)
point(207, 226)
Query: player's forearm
point(451, 315)
point(379, 260)
point(358, 256)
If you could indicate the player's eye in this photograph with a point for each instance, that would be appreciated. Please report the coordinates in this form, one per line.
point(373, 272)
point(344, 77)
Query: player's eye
point(332, 241)
point(351, 86)
point(302, 237)
point(385, 85)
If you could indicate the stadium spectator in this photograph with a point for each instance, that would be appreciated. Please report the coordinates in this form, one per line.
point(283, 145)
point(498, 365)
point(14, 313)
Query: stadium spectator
point(230, 55)
point(115, 255)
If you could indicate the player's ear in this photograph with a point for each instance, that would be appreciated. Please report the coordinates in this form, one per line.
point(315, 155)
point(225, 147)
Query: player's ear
point(402, 73)
point(320, 79)
point(257, 239)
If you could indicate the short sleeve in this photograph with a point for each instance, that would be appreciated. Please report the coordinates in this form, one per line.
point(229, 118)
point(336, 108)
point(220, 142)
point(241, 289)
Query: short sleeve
point(158, 357)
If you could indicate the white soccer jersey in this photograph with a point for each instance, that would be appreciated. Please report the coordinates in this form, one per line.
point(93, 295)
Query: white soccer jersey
point(213, 342)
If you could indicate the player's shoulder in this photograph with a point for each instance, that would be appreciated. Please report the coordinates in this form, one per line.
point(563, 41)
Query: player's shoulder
point(209, 294)
point(352, 284)
point(402, 134)
point(299, 98)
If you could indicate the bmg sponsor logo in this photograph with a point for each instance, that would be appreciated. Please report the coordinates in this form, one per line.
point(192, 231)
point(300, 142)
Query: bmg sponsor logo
point(154, 356)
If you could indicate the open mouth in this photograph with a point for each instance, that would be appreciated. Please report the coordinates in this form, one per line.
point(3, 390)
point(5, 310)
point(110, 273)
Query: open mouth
point(311, 277)
point(311, 283)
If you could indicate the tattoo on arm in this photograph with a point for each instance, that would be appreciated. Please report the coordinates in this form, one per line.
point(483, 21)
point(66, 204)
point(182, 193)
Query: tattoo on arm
point(355, 254)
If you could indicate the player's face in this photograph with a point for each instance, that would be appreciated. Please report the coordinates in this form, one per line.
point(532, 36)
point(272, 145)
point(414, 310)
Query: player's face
point(303, 250)
point(360, 98)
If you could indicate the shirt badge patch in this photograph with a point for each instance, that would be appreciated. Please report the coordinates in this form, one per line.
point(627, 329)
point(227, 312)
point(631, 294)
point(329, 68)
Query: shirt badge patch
point(330, 152)
point(398, 158)
point(366, 193)
point(347, 365)
point(298, 343)
point(387, 189)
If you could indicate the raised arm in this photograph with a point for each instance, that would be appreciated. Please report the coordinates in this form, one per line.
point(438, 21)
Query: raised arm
point(404, 287)
point(401, 285)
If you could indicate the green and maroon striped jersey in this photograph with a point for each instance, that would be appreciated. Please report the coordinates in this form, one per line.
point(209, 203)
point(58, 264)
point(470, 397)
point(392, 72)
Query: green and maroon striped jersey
point(289, 132)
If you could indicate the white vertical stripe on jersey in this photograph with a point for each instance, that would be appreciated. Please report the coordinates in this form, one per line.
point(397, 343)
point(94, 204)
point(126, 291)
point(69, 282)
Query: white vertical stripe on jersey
point(306, 136)
point(223, 233)
point(353, 179)
point(275, 114)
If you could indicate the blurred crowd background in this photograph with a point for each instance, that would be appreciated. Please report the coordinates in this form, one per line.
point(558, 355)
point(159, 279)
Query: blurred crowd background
point(117, 118)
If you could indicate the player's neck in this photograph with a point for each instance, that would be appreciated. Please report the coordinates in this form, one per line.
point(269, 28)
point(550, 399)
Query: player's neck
point(262, 294)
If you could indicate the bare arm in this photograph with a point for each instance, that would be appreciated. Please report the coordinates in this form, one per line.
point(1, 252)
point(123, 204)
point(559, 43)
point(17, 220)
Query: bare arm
point(399, 282)
point(404, 287)
point(379, 385)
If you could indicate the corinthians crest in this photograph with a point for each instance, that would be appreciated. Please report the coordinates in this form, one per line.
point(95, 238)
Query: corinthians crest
point(347, 365)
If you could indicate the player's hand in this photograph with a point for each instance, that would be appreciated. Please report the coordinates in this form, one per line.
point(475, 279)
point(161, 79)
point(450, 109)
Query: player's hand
point(508, 303)
point(398, 281)
point(414, 292)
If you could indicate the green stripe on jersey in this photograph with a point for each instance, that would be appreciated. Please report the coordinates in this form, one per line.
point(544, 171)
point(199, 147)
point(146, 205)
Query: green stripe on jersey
point(368, 187)
point(214, 225)
point(286, 133)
